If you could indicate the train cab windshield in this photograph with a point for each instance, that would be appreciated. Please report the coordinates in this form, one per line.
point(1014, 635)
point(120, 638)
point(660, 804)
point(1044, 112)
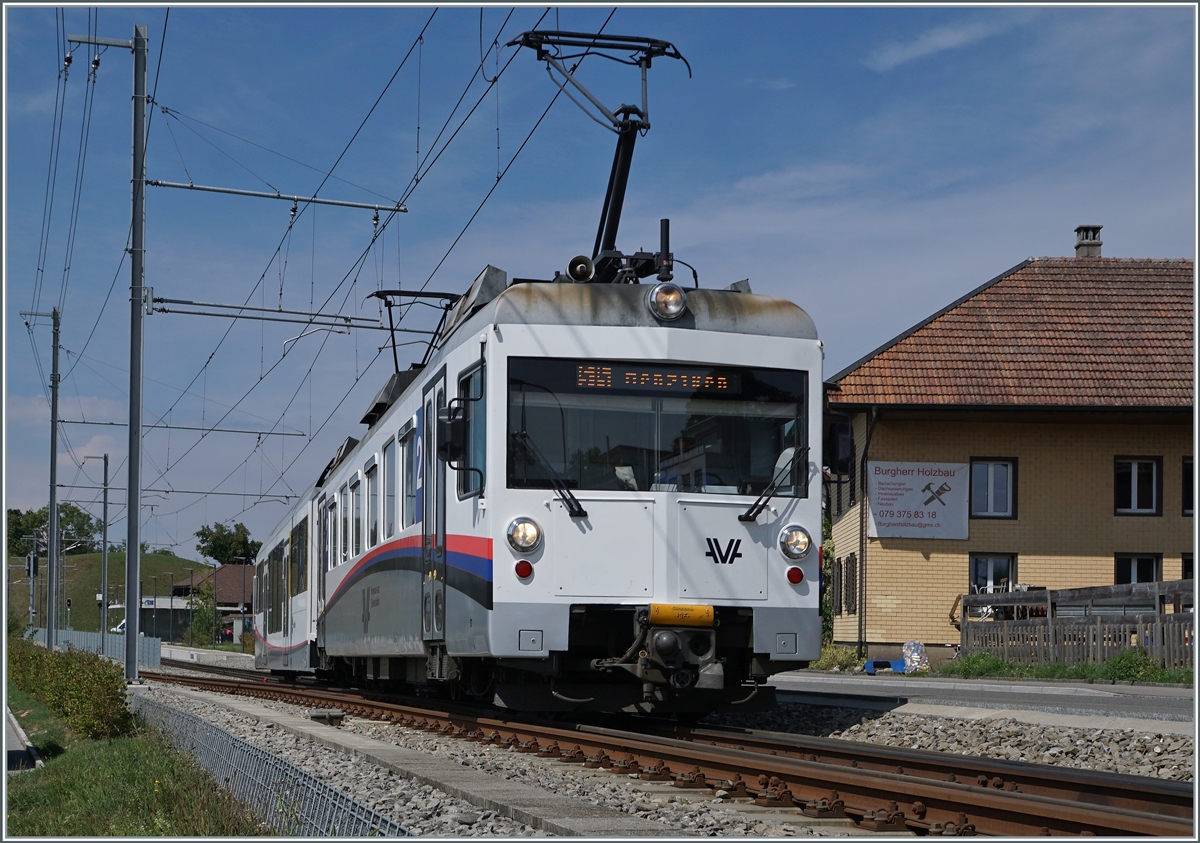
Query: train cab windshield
point(610, 425)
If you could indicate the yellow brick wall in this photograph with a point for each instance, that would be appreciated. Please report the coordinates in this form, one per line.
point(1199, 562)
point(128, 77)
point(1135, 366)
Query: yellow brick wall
point(1065, 534)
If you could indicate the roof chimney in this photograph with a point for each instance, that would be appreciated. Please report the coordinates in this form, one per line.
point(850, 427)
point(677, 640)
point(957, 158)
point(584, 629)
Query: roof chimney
point(1087, 241)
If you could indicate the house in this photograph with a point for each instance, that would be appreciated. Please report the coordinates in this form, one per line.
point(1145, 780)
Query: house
point(233, 588)
point(1035, 433)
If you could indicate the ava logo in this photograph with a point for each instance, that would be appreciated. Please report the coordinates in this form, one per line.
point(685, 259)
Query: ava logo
point(724, 557)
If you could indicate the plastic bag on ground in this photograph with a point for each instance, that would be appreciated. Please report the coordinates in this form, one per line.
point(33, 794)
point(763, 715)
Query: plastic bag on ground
point(914, 657)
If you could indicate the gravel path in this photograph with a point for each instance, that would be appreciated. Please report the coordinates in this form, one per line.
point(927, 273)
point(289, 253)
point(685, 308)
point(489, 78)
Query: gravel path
point(429, 812)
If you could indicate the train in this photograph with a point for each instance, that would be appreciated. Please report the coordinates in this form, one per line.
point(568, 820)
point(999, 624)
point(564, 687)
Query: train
point(599, 491)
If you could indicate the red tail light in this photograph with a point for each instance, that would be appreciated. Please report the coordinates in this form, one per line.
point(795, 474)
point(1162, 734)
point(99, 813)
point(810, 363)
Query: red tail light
point(524, 569)
point(795, 576)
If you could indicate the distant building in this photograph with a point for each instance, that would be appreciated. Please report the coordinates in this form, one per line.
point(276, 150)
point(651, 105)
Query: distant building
point(233, 588)
point(1038, 431)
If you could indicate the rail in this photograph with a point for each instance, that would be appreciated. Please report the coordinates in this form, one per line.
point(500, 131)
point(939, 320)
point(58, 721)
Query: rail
point(289, 800)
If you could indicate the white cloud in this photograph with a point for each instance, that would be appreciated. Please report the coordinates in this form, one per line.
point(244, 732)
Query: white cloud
point(26, 410)
point(933, 41)
point(776, 83)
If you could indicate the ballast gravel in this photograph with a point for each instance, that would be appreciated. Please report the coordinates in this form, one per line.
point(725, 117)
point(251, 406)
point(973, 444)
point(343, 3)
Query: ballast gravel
point(1141, 752)
point(428, 812)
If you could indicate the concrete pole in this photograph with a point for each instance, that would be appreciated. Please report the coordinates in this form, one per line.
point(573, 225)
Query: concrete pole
point(32, 579)
point(53, 539)
point(191, 600)
point(104, 568)
point(137, 306)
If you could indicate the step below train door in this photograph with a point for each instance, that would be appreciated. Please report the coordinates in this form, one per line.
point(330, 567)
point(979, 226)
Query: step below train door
point(433, 544)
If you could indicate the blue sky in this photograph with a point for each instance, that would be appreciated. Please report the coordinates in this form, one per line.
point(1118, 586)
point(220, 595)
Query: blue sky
point(870, 164)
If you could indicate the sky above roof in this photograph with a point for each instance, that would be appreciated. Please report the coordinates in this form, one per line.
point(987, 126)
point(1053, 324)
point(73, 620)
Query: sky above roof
point(870, 164)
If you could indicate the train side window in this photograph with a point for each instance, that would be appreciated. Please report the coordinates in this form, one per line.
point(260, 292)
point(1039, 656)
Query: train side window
point(260, 582)
point(357, 492)
point(471, 397)
point(299, 578)
point(275, 588)
point(372, 507)
point(345, 522)
point(408, 445)
point(389, 489)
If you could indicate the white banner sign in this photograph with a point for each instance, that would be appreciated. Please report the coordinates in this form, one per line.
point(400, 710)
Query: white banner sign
point(917, 500)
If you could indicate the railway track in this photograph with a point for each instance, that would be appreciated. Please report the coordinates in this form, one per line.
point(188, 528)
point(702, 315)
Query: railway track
point(881, 789)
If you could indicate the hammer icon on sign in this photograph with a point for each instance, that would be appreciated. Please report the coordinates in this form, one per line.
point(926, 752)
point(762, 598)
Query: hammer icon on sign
point(935, 493)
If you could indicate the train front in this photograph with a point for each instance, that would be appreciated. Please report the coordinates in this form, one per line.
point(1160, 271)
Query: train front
point(657, 529)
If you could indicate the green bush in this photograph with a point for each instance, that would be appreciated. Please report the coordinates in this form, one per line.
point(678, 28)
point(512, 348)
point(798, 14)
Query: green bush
point(88, 692)
point(1131, 666)
point(1127, 666)
point(841, 658)
point(979, 664)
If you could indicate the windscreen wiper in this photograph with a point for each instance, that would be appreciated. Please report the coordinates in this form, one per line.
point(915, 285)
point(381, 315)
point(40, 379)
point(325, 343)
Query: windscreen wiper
point(759, 505)
point(574, 508)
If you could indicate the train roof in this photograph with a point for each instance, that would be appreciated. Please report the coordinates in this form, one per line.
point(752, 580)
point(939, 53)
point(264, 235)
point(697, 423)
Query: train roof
point(550, 303)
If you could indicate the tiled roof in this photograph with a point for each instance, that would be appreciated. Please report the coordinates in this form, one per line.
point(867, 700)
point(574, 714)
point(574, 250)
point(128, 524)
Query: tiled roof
point(229, 581)
point(1072, 332)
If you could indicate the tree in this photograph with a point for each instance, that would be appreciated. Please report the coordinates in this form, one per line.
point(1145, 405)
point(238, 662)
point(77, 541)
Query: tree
point(79, 528)
point(226, 545)
point(203, 604)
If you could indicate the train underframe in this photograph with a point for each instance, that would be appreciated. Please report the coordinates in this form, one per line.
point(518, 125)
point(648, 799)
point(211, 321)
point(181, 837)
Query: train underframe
point(617, 660)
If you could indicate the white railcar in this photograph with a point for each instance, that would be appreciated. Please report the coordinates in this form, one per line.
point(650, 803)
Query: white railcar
point(576, 532)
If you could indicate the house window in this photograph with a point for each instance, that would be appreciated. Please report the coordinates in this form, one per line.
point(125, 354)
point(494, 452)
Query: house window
point(1189, 485)
point(1188, 573)
point(835, 591)
point(993, 488)
point(470, 397)
point(1138, 486)
point(1133, 568)
point(850, 585)
point(992, 573)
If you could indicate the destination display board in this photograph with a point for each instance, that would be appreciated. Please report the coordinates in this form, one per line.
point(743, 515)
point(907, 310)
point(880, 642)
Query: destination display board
point(918, 500)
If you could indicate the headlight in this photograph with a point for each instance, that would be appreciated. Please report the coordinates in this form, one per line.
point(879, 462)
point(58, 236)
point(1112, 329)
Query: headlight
point(524, 535)
point(794, 542)
point(666, 301)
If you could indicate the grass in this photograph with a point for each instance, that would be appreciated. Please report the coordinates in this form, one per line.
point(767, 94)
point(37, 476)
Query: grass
point(1128, 665)
point(836, 658)
point(132, 786)
point(82, 576)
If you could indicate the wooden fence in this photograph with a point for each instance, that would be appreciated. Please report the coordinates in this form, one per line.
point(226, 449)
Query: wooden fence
point(1170, 639)
point(1083, 625)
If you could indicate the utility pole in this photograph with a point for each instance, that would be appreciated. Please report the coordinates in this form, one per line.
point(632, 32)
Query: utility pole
point(139, 299)
point(31, 564)
point(191, 600)
point(52, 550)
point(104, 563)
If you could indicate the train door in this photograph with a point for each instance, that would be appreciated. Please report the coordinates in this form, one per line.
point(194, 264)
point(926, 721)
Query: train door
point(433, 553)
point(285, 600)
